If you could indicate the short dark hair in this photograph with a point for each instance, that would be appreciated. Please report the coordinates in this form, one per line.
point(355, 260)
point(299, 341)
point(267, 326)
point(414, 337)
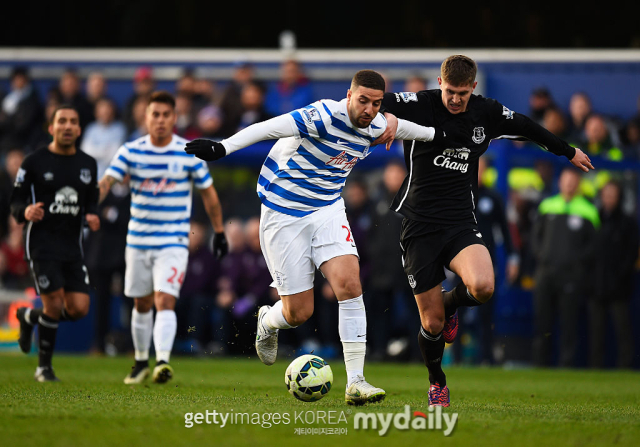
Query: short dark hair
point(62, 107)
point(369, 79)
point(163, 97)
point(458, 70)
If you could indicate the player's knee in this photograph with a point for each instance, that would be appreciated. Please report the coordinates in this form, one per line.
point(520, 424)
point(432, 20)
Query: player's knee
point(143, 305)
point(433, 325)
point(296, 316)
point(482, 290)
point(77, 311)
point(348, 287)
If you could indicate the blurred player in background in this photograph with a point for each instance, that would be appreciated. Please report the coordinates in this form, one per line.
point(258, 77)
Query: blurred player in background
point(438, 199)
point(303, 223)
point(55, 192)
point(158, 238)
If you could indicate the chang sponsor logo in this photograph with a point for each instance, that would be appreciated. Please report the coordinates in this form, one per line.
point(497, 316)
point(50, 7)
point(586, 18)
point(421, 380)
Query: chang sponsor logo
point(65, 202)
point(449, 159)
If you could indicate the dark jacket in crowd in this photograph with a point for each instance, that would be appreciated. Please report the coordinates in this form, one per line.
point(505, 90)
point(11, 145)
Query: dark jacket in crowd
point(16, 129)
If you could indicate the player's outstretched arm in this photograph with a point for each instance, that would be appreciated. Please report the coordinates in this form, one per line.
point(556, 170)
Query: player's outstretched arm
point(279, 127)
point(582, 161)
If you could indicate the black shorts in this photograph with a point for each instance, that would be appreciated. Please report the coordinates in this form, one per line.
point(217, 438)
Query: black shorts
point(428, 248)
point(50, 276)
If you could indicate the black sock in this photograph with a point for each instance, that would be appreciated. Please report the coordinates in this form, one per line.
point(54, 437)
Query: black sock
point(457, 297)
point(161, 362)
point(46, 339)
point(432, 349)
point(34, 314)
point(142, 363)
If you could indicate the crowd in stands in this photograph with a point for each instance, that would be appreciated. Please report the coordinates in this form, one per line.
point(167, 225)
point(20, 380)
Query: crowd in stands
point(219, 299)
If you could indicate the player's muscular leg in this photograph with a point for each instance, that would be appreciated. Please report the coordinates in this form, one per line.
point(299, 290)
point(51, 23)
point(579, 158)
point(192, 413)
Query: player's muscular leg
point(431, 308)
point(164, 301)
point(473, 265)
point(143, 304)
point(53, 303)
point(76, 304)
point(297, 308)
point(343, 274)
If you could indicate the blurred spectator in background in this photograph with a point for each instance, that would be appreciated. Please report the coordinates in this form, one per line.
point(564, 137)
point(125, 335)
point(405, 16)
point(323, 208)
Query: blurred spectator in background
point(185, 126)
point(230, 103)
point(12, 163)
point(71, 93)
point(105, 135)
point(257, 279)
point(204, 93)
point(616, 255)
point(564, 245)
point(138, 115)
point(358, 209)
point(579, 111)
point(96, 88)
point(105, 259)
point(253, 108)
point(415, 83)
point(631, 140)
point(15, 274)
point(539, 102)
point(185, 85)
point(210, 123)
point(554, 121)
point(20, 113)
point(388, 297)
point(292, 92)
point(598, 140)
point(196, 307)
point(143, 85)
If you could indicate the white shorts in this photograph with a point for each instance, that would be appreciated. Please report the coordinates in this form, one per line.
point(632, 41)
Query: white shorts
point(294, 246)
point(154, 270)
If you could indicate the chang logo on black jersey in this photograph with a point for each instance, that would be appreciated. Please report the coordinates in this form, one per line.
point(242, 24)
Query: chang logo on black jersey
point(449, 158)
point(65, 202)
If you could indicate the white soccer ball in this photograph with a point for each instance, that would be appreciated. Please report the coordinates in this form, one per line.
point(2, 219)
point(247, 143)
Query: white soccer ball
point(308, 378)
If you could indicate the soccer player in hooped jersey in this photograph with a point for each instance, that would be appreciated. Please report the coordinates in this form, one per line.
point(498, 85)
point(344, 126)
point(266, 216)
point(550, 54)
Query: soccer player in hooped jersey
point(438, 199)
point(303, 223)
point(54, 194)
point(156, 253)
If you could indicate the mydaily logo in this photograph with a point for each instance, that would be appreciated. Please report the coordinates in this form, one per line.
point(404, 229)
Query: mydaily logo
point(434, 419)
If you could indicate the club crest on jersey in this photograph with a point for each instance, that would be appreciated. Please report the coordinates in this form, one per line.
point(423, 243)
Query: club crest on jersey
point(175, 167)
point(43, 281)
point(48, 176)
point(85, 176)
point(508, 113)
point(310, 115)
point(406, 97)
point(478, 135)
point(412, 281)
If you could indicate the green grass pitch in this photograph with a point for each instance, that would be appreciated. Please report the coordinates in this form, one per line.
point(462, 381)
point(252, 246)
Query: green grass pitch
point(91, 406)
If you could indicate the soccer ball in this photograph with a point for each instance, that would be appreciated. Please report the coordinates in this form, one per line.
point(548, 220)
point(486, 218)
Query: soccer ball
point(308, 378)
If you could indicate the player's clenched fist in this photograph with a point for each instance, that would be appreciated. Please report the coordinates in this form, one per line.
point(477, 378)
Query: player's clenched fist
point(34, 212)
point(206, 149)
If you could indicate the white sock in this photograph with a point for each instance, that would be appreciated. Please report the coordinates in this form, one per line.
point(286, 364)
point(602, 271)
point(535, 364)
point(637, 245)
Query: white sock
point(164, 332)
point(141, 330)
point(352, 326)
point(274, 319)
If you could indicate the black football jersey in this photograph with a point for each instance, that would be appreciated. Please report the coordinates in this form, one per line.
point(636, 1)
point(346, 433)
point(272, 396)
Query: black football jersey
point(67, 186)
point(442, 180)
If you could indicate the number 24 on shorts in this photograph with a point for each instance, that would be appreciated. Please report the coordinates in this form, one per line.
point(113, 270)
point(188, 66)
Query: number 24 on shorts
point(172, 278)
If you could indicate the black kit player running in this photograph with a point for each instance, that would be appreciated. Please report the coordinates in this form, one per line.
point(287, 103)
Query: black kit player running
point(55, 192)
point(438, 199)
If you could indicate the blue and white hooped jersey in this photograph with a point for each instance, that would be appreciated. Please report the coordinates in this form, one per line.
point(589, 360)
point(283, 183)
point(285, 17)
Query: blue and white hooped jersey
point(305, 172)
point(160, 191)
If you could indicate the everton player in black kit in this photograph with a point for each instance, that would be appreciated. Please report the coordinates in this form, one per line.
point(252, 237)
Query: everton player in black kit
point(54, 194)
point(438, 199)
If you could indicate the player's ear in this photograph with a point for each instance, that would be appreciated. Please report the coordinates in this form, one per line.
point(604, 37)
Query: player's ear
point(474, 85)
point(50, 129)
point(349, 93)
point(439, 81)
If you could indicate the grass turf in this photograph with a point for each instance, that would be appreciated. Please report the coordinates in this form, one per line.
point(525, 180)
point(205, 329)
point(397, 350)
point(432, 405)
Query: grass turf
point(91, 406)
